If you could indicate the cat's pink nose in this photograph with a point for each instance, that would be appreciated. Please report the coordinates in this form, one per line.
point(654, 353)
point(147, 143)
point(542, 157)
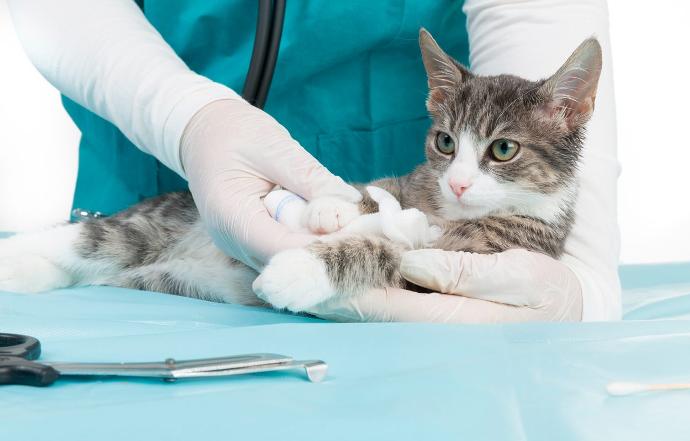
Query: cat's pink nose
point(458, 187)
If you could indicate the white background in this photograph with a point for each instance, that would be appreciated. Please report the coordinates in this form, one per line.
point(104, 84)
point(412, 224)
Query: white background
point(38, 142)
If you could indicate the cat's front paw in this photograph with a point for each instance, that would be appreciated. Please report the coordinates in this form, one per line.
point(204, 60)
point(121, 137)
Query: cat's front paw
point(295, 280)
point(329, 214)
point(31, 274)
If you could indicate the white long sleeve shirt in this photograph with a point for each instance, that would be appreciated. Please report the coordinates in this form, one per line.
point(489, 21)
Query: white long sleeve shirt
point(106, 56)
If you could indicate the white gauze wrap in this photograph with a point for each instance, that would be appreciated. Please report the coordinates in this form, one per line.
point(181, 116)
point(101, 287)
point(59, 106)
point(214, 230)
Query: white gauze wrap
point(409, 227)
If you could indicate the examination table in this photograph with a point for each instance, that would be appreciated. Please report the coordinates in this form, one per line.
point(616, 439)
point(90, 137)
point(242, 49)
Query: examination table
point(387, 381)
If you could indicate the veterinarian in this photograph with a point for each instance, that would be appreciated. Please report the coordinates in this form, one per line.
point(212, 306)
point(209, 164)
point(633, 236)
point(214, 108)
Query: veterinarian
point(155, 87)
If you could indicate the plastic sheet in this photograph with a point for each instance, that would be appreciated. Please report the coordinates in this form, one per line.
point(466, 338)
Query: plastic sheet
point(387, 381)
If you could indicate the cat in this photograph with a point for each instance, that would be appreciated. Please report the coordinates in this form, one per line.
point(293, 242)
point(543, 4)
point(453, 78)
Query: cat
point(501, 168)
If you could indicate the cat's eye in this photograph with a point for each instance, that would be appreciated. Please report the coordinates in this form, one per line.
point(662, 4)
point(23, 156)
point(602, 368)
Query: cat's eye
point(445, 143)
point(504, 149)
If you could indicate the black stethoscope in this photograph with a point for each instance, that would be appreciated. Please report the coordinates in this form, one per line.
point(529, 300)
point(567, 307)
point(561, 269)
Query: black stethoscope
point(269, 29)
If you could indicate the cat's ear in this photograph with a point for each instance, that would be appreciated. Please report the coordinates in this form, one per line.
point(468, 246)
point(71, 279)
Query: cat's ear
point(572, 90)
point(443, 72)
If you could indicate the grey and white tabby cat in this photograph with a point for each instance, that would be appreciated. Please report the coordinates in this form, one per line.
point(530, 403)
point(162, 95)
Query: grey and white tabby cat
point(501, 173)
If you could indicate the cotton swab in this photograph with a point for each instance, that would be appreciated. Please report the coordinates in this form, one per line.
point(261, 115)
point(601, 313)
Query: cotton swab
point(622, 388)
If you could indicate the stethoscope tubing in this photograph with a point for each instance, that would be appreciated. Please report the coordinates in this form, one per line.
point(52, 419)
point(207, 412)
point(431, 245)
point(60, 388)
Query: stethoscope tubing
point(269, 30)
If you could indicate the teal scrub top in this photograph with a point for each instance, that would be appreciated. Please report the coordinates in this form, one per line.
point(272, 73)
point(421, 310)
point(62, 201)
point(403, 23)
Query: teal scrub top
point(349, 85)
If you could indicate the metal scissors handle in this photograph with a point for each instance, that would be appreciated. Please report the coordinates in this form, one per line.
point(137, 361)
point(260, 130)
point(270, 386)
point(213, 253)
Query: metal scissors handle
point(17, 352)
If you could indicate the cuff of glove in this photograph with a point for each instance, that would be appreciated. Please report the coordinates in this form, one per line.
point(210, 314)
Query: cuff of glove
point(601, 293)
point(182, 112)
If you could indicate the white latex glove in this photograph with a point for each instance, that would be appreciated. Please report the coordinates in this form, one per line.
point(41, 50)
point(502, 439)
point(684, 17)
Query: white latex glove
point(233, 154)
point(513, 286)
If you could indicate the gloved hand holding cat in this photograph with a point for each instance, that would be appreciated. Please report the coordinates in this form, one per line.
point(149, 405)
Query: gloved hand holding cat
point(232, 154)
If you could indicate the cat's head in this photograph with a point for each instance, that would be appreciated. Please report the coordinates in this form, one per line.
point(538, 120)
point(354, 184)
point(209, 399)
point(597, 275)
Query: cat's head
point(503, 144)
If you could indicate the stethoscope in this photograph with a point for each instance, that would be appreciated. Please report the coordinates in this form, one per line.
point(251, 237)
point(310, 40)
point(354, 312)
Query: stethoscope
point(269, 29)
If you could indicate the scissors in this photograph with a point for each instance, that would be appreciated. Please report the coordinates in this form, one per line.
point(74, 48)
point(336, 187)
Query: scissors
point(17, 353)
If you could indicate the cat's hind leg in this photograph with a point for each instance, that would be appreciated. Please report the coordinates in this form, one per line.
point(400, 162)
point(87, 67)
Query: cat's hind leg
point(125, 253)
point(192, 267)
point(39, 261)
point(57, 258)
point(214, 281)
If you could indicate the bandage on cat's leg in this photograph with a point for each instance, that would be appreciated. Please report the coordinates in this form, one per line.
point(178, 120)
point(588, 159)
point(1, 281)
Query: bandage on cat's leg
point(409, 227)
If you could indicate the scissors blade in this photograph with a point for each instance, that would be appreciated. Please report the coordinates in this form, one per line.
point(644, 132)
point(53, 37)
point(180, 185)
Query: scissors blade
point(315, 369)
point(188, 368)
point(170, 368)
point(165, 369)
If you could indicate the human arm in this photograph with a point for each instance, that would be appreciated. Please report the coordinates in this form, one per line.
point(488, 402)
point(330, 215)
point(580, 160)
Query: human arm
point(106, 56)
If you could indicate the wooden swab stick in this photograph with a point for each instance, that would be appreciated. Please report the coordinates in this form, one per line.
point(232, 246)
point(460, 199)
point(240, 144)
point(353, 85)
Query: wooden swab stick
point(622, 388)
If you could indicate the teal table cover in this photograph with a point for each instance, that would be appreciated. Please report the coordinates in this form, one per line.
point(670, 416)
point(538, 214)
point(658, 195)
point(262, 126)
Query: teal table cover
point(387, 381)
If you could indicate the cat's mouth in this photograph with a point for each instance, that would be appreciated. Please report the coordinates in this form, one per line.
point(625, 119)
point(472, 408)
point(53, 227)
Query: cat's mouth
point(464, 201)
point(455, 209)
